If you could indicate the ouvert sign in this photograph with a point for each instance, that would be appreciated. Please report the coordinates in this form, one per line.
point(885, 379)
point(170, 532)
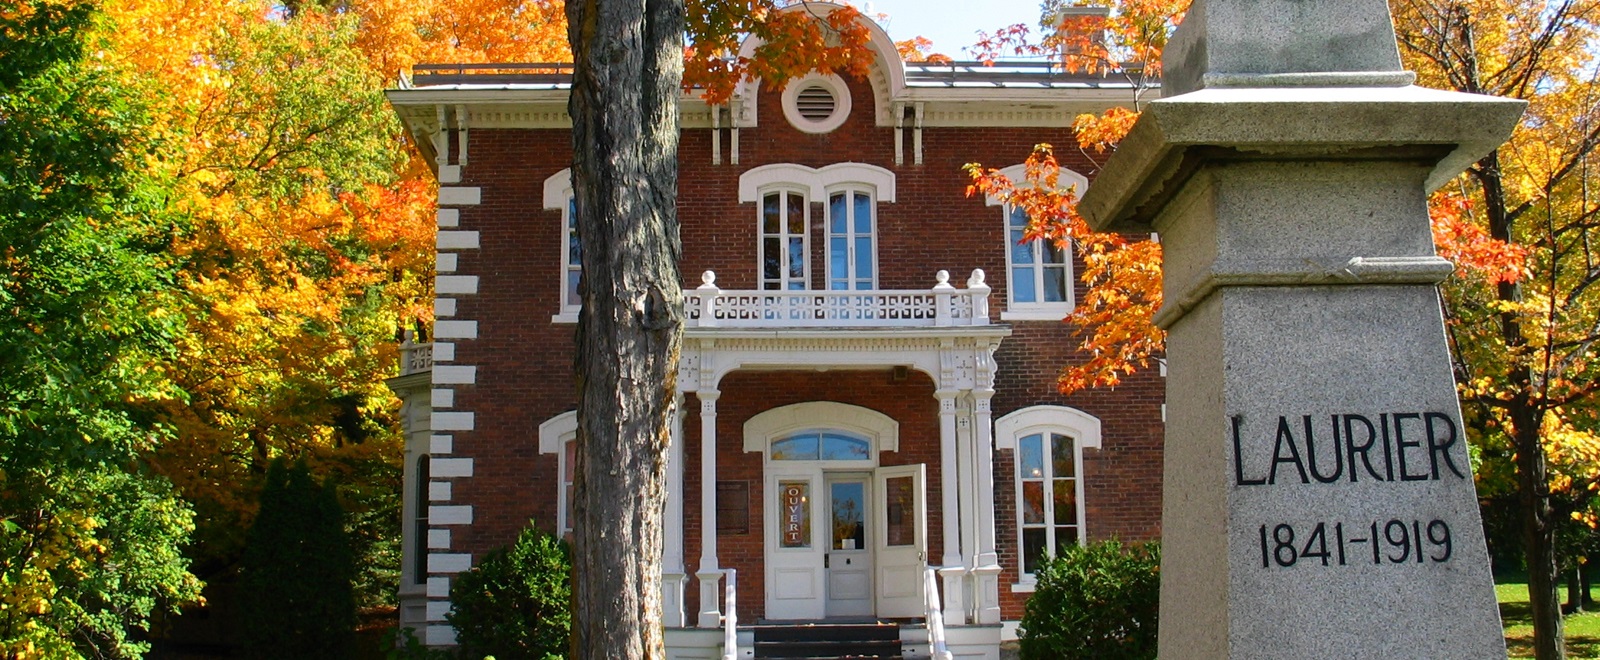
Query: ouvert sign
point(1318, 498)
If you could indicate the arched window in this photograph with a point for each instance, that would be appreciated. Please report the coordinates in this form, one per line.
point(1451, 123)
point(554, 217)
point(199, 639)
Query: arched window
point(558, 196)
point(1038, 273)
point(1047, 444)
point(821, 446)
point(852, 257)
point(785, 243)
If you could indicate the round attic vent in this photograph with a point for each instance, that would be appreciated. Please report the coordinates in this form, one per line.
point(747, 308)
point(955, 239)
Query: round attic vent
point(816, 103)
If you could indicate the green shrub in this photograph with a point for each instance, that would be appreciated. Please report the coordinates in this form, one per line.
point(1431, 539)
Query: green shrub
point(294, 578)
point(516, 603)
point(1095, 601)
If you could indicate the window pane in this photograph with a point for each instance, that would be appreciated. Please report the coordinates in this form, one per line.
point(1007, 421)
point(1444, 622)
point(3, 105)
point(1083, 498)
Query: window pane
point(1055, 284)
point(863, 213)
point(771, 253)
point(1053, 254)
point(864, 258)
point(771, 217)
point(570, 449)
point(1033, 545)
point(1022, 286)
point(838, 258)
point(797, 215)
point(900, 510)
point(845, 448)
point(1066, 503)
point(1031, 455)
point(1033, 502)
point(574, 277)
point(795, 448)
point(797, 258)
point(794, 514)
point(1021, 252)
point(836, 213)
point(848, 505)
point(574, 250)
point(1018, 219)
point(1061, 456)
point(1066, 536)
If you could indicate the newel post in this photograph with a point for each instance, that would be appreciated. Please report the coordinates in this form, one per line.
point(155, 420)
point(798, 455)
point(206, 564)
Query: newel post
point(707, 294)
point(980, 297)
point(942, 292)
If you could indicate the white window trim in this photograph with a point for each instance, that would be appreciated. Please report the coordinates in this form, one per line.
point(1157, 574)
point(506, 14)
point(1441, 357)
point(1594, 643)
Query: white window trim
point(827, 235)
point(1036, 311)
point(841, 102)
point(557, 197)
point(882, 430)
point(783, 192)
point(1082, 427)
point(754, 182)
point(554, 434)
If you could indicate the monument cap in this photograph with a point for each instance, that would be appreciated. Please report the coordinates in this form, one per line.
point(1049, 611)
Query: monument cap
point(1283, 43)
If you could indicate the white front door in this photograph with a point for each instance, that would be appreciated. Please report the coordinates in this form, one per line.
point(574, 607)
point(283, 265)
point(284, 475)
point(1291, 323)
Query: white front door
point(849, 559)
point(796, 545)
point(900, 539)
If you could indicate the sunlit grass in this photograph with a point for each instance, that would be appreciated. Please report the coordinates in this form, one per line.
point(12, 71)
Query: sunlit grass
point(1582, 630)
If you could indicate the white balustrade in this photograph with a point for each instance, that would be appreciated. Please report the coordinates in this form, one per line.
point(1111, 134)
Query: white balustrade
point(414, 357)
point(943, 305)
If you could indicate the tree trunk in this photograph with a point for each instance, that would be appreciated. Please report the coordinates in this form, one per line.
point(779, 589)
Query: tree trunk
point(1524, 413)
point(628, 67)
point(1575, 590)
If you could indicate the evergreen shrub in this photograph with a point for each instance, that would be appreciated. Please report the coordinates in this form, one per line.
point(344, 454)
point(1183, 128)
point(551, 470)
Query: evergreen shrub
point(516, 603)
point(1095, 601)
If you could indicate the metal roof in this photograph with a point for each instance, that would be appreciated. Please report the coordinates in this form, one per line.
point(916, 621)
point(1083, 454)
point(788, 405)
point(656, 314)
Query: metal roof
point(978, 75)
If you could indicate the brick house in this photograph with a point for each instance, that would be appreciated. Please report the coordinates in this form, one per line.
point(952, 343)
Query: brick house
point(868, 401)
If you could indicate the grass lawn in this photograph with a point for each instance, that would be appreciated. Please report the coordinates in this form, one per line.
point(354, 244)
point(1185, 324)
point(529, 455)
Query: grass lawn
point(1583, 630)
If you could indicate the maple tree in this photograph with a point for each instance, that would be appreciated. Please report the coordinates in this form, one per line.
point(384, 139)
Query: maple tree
point(1523, 311)
point(88, 538)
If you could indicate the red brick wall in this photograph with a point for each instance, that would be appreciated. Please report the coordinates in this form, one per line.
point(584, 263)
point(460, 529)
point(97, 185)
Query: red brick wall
point(521, 382)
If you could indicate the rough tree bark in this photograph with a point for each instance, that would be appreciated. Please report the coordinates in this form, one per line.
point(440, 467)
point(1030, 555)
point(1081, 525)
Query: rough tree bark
point(628, 67)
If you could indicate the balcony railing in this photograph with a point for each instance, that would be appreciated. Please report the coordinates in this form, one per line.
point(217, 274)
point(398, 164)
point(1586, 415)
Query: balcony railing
point(414, 357)
point(941, 306)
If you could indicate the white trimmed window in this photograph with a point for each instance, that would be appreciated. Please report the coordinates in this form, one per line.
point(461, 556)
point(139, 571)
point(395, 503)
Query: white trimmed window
point(785, 244)
point(1047, 444)
point(558, 435)
point(852, 256)
point(558, 196)
point(1038, 273)
point(783, 194)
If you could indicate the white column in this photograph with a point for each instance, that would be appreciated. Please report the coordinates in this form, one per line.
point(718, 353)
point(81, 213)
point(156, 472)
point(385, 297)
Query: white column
point(672, 536)
point(986, 566)
point(954, 566)
point(709, 574)
point(968, 487)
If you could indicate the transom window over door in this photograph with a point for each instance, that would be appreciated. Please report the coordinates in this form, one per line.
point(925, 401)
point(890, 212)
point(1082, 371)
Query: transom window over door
point(851, 257)
point(784, 244)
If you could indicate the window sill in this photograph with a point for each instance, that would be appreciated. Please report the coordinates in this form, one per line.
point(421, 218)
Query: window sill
point(1044, 314)
point(1025, 587)
point(565, 317)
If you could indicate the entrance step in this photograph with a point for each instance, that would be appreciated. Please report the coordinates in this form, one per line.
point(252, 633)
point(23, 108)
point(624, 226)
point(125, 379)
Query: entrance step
point(832, 641)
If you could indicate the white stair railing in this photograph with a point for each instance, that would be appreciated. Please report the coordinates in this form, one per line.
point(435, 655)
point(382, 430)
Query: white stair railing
point(937, 647)
point(730, 620)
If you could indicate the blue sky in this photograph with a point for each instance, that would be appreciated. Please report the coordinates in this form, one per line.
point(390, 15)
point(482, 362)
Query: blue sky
point(953, 24)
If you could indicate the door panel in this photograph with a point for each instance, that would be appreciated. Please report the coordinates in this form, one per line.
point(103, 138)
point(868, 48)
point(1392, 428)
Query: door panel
point(795, 548)
point(849, 563)
point(900, 538)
